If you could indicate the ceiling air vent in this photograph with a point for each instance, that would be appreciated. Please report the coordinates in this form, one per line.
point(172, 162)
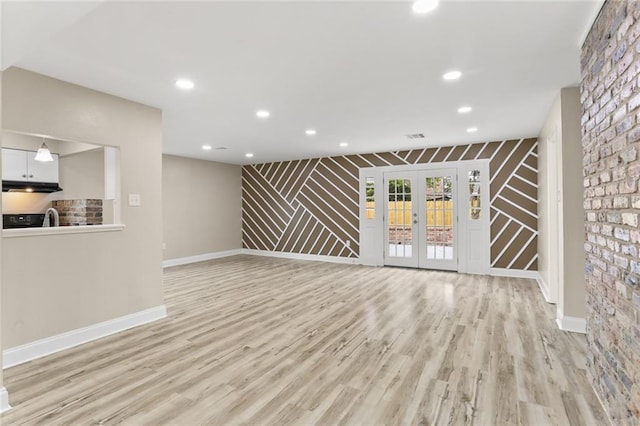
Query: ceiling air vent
point(220, 148)
point(415, 136)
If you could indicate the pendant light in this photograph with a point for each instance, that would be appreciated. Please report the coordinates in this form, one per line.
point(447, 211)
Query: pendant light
point(43, 153)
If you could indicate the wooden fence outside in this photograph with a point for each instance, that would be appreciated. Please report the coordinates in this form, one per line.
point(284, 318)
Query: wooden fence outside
point(439, 213)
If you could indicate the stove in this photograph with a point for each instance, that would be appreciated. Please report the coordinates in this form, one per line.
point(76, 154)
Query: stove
point(11, 221)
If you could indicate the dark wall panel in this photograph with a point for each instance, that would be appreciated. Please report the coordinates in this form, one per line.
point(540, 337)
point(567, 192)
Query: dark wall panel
point(311, 206)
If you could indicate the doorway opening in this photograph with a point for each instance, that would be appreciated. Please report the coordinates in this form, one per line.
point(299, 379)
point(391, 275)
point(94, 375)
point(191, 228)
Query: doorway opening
point(420, 219)
point(428, 216)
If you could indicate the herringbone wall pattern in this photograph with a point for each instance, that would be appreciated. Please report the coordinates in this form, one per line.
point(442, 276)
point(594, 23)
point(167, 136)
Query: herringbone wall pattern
point(311, 206)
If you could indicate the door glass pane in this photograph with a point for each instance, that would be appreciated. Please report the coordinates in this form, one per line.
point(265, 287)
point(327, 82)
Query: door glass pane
point(400, 220)
point(475, 209)
point(439, 217)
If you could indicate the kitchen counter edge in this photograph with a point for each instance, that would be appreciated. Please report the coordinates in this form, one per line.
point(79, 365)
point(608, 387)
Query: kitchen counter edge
point(60, 230)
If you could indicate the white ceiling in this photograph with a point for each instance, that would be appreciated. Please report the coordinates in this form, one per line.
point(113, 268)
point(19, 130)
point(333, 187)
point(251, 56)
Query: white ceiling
point(363, 72)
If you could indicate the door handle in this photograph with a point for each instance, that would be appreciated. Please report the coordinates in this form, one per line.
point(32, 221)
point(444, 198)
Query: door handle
point(415, 221)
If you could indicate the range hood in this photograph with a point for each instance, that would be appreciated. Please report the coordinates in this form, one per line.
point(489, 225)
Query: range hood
point(24, 186)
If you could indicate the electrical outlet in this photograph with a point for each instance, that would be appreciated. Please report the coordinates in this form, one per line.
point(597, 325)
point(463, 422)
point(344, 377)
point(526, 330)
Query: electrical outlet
point(134, 200)
point(164, 246)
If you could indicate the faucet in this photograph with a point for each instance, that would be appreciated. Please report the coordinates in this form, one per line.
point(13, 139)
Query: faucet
point(56, 218)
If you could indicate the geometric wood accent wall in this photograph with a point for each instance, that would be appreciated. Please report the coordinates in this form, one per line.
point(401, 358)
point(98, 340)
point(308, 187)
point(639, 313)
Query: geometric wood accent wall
point(311, 206)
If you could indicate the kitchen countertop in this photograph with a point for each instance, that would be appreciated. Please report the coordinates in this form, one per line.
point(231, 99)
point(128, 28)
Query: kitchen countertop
point(60, 230)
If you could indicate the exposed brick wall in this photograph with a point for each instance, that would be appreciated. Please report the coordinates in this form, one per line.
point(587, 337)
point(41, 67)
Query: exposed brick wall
point(79, 212)
point(610, 99)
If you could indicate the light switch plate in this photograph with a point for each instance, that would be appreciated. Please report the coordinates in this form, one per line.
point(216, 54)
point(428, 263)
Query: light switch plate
point(134, 200)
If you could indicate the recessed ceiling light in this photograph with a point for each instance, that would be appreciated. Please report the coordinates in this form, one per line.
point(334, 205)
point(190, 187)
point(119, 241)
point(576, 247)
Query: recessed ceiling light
point(472, 129)
point(206, 147)
point(452, 75)
point(344, 144)
point(310, 132)
point(424, 6)
point(464, 109)
point(249, 155)
point(263, 113)
point(185, 84)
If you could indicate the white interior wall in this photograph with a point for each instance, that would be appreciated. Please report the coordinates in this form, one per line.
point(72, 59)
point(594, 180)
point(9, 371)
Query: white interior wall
point(84, 279)
point(202, 207)
point(573, 294)
point(549, 146)
point(561, 232)
point(4, 396)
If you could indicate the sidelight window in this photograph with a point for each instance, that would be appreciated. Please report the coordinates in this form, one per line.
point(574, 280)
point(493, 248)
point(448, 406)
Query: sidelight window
point(475, 208)
point(370, 189)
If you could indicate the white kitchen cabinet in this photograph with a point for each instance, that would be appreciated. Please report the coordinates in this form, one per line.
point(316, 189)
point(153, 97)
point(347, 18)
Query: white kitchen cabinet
point(21, 165)
point(42, 171)
point(14, 164)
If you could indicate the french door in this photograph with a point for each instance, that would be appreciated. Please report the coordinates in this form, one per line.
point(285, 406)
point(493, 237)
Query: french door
point(420, 220)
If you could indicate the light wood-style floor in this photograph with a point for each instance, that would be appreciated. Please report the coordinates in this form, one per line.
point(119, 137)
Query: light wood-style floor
point(258, 340)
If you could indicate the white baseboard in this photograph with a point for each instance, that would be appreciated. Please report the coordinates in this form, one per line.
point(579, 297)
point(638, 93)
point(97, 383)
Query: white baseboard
point(199, 258)
point(298, 256)
point(39, 348)
point(515, 273)
point(543, 288)
point(4, 400)
point(573, 324)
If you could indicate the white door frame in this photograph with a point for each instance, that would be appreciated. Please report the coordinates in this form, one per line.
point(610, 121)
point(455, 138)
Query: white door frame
point(372, 248)
point(413, 260)
point(475, 248)
point(424, 262)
